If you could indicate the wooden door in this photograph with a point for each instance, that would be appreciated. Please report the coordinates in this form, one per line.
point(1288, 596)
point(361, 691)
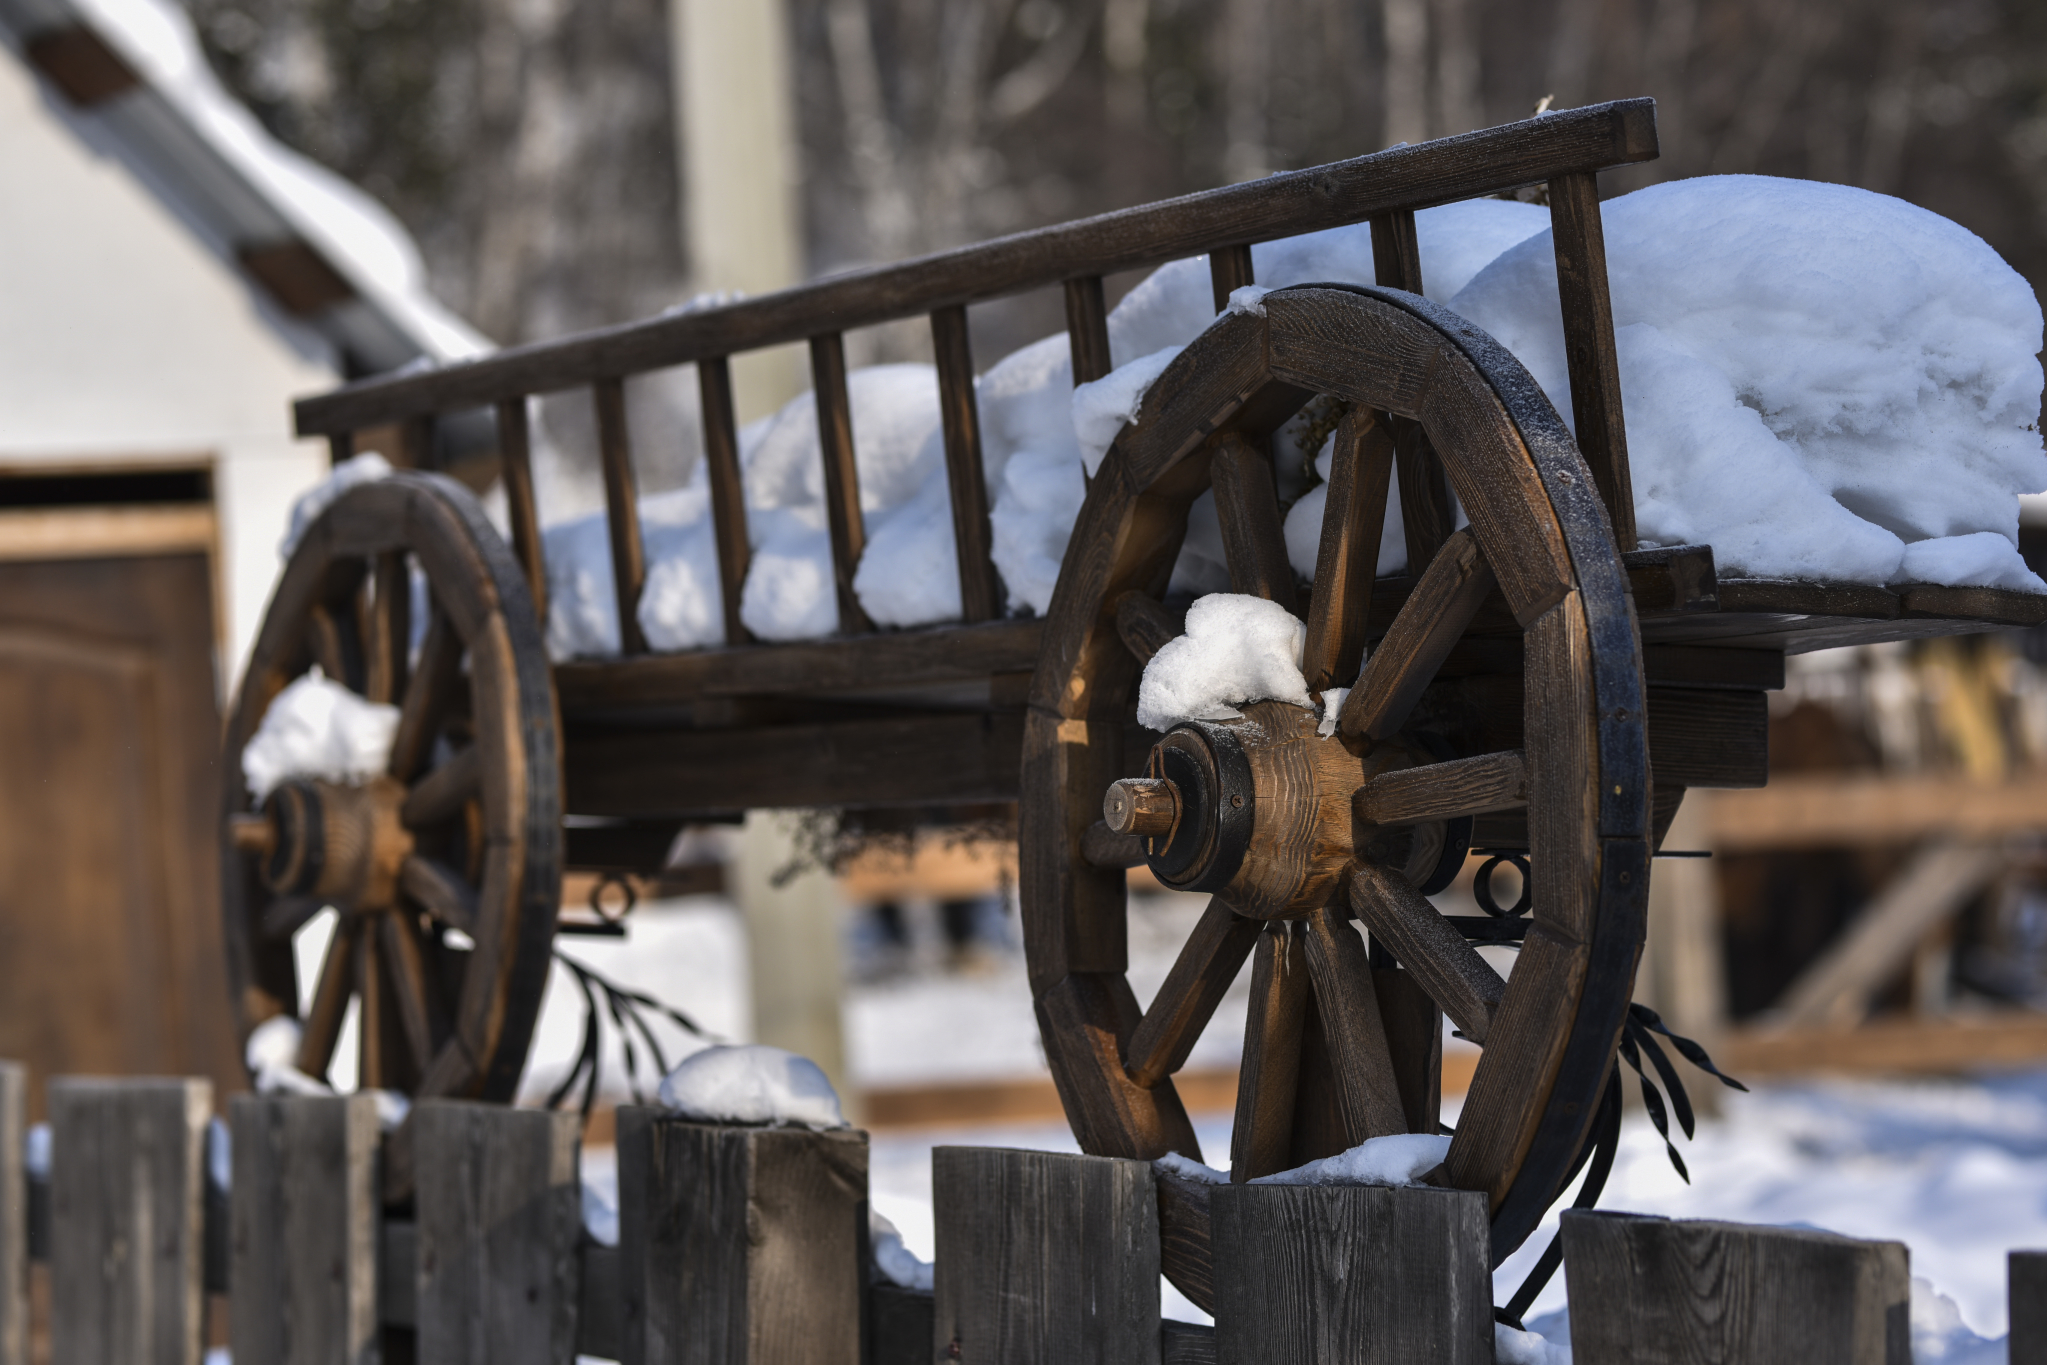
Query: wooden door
point(110, 943)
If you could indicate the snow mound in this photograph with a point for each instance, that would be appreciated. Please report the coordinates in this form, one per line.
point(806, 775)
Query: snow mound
point(367, 467)
point(1939, 1334)
point(751, 1083)
point(316, 728)
point(272, 1054)
point(1187, 1168)
point(1237, 650)
point(1397, 1159)
point(1102, 407)
point(1527, 1348)
point(1815, 377)
point(902, 1266)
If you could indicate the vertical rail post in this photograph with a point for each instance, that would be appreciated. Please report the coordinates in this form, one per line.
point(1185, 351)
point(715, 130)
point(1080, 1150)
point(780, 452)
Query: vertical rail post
point(304, 1227)
point(841, 475)
point(500, 1211)
point(515, 456)
point(1087, 329)
point(126, 1193)
point(340, 447)
point(1425, 519)
point(13, 1214)
point(1588, 345)
point(622, 511)
point(728, 490)
point(2026, 1291)
point(980, 585)
point(1229, 269)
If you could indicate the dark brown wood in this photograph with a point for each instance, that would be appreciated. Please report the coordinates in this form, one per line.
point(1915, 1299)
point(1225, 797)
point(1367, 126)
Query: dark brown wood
point(303, 1283)
point(2026, 1290)
point(499, 1213)
point(1414, 1035)
point(414, 993)
point(1087, 329)
point(374, 1018)
point(81, 64)
point(1248, 508)
point(1353, 519)
point(322, 1027)
point(1186, 1244)
point(1103, 847)
point(1145, 626)
point(1588, 345)
point(1201, 975)
point(1229, 269)
point(740, 1246)
point(1044, 1256)
point(1367, 1090)
point(622, 512)
point(429, 691)
point(1086, 1019)
point(389, 628)
point(1411, 651)
point(1709, 737)
point(1655, 1291)
point(442, 793)
point(515, 456)
point(967, 480)
point(440, 891)
point(728, 492)
point(1461, 982)
point(1186, 1343)
point(126, 1190)
point(1268, 1078)
point(841, 475)
point(1424, 495)
point(1437, 791)
point(1673, 578)
point(900, 1323)
point(1351, 1275)
point(1592, 138)
point(14, 1216)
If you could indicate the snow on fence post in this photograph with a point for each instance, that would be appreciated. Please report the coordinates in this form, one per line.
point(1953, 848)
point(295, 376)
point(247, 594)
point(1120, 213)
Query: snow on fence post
point(2027, 1289)
point(1044, 1256)
point(126, 1185)
point(1646, 1291)
point(13, 1214)
point(500, 1212)
point(1351, 1275)
point(303, 1218)
point(740, 1246)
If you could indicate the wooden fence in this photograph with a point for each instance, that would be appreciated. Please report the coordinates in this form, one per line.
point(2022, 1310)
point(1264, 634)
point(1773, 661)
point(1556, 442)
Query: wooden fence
point(749, 1246)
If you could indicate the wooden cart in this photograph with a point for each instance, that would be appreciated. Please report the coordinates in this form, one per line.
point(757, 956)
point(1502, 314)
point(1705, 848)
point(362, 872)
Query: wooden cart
point(1540, 688)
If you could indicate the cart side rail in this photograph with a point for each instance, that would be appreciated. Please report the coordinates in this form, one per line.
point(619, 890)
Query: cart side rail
point(1565, 151)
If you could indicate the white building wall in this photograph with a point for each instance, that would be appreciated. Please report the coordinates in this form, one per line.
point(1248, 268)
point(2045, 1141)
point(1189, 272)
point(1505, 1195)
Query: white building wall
point(125, 341)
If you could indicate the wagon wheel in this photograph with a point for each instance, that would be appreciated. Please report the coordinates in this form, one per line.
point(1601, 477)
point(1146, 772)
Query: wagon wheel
point(1295, 834)
point(445, 870)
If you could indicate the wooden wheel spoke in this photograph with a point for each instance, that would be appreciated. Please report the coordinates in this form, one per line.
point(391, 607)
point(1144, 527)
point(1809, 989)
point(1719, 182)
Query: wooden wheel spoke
point(442, 793)
point(412, 990)
point(427, 694)
point(1346, 564)
point(1269, 1076)
point(1421, 636)
point(1433, 952)
point(330, 1001)
point(1201, 976)
point(1443, 791)
point(370, 1018)
point(286, 915)
point(1145, 626)
point(1247, 505)
point(439, 890)
point(388, 627)
point(336, 645)
point(1367, 1090)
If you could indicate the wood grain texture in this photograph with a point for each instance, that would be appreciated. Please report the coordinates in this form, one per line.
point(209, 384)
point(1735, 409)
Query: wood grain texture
point(966, 480)
point(1414, 1035)
point(499, 1211)
point(1086, 1020)
point(728, 493)
point(1186, 1343)
point(1351, 1275)
point(1043, 1256)
point(740, 1246)
point(1434, 791)
point(303, 1238)
point(1414, 647)
point(125, 1195)
point(843, 517)
point(621, 512)
point(1186, 1240)
point(1347, 1004)
point(2026, 1290)
point(1247, 506)
point(1229, 269)
point(1347, 557)
point(515, 456)
point(1588, 345)
point(1201, 975)
point(1462, 983)
point(1655, 1291)
point(1425, 517)
point(1269, 1076)
point(14, 1217)
point(387, 627)
point(1145, 626)
point(1709, 736)
point(1087, 329)
point(1284, 205)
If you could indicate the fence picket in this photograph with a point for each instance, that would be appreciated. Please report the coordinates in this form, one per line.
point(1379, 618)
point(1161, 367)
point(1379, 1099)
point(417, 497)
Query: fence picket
point(13, 1214)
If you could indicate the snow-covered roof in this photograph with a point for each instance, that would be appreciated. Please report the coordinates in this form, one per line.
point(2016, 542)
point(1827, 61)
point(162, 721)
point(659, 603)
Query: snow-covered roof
point(329, 255)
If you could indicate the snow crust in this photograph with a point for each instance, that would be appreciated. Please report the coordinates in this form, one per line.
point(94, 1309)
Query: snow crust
point(367, 467)
point(272, 1057)
point(317, 728)
point(1237, 650)
point(1102, 407)
point(1396, 1159)
point(1939, 1334)
point(751, 1083)
point(901, 1265)
point(1511, 1347)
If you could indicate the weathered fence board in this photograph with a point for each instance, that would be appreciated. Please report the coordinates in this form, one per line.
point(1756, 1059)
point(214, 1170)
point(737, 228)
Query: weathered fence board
point(125, 1201)
point(2027, 1289)
point(1351, 1275)
point(13, 1214)
point(1186, 1343)
point(898, 1325)
point(304, 1213)
point(1045, 1257)
point(499, 1214)
point(740, 1246)
point(1645, 1291)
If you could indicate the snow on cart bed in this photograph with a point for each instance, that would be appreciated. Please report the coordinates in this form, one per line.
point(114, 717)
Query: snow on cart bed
point(1820, 382)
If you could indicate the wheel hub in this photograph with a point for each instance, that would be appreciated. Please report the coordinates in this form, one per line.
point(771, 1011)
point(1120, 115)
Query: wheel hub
point(342, 844)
